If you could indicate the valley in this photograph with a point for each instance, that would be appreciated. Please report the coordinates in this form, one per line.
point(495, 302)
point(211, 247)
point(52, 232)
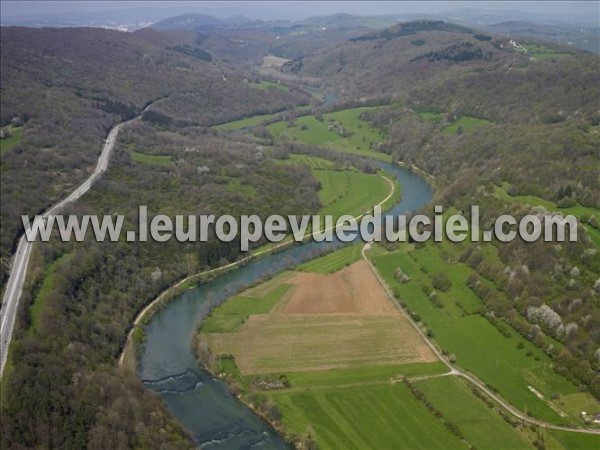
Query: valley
point(310, 345)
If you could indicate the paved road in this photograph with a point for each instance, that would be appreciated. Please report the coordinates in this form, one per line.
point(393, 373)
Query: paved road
point(453, 370)
point(14, 287)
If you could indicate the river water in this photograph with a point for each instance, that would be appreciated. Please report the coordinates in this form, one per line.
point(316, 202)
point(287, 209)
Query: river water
point(202, 404)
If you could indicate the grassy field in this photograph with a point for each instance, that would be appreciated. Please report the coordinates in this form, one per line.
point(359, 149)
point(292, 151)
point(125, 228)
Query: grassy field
point(274, 343)
point(380, 374)
point(478, 346)
point(16, 133)
point(340, 130)
point(44, 291)
point(466, 124)
point(313, 162)
point(578, 211)
point(382, 416)
point(430, 116)
point(228, 317)
point(541, 51)
point(458, 403)
point(578, 441)
point(346, 191)
point(350, 192)
point(340, 367)
point(334, 261)
point(154, 160)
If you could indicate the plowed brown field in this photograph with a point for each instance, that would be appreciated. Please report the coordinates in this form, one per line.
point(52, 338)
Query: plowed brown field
point(341, 320)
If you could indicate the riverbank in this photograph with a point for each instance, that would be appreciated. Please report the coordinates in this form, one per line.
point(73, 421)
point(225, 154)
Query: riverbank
point(128, 357)
point(418, 170)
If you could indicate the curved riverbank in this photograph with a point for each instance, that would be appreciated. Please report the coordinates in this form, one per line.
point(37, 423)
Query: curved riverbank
point(127, 359)
point(203, 404)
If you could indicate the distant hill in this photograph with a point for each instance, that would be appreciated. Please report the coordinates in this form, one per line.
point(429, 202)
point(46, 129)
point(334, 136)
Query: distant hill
point(201, 22)
point(412, 28)
point(409, 51)
point(455, 67)
point(348, 21)
point(580, 37)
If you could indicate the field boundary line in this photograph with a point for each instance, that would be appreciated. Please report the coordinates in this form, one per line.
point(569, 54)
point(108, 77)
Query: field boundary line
point(468, 376)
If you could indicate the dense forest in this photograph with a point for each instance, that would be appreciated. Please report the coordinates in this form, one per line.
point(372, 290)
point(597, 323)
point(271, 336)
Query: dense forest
point(69, 86)
point(71, 330)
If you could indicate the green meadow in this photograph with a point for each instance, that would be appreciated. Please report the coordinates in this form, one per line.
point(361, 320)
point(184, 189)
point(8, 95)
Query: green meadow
point(16, 133)
point(541, 51)
point(315, 163)
point(456, 401)
point(153, 160)
point(333, 261)
point(350, 192)
point(341, 130)
point(478, 346)
point(44, 291)
point(380, 416)
point(230, 315)
point(465, 124)
point(362, 376)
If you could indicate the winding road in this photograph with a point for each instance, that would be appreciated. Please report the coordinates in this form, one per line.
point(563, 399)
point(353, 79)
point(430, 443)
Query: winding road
point(455, 371)
point(14, 287)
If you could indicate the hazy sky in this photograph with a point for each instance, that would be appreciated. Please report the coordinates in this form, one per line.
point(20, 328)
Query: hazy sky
point(297, 10)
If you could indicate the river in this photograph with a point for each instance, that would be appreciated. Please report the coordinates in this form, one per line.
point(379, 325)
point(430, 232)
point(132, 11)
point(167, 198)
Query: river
point(202, 404)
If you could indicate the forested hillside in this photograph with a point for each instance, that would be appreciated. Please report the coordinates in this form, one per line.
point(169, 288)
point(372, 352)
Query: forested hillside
point(69, 86)
point(81, 298)
point(509, 133)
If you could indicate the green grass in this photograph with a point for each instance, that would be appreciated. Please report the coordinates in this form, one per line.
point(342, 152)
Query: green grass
point(47, 285)
point(16, 133)
point(363, 375)
point(577, 441)
point(313, 162)
point(234, 184)
point(265, 85)
point(578, 402)
point(541, 51)
point(466, 124)
point(350, 192)
point(382, 416)
point(154, 160)
point(233, 313)
point(478, 345)
point(430, 116)
point(474, 418)
point(341, 130)
point(333, 261)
